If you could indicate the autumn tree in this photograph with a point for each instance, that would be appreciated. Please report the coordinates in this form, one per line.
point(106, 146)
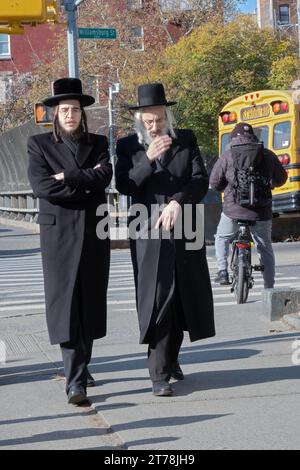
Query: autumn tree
point(17, 108)
point(216, 63)
point(142, 34)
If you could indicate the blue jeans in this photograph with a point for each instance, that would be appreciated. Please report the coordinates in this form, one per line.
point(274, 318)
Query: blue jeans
point(261, 233)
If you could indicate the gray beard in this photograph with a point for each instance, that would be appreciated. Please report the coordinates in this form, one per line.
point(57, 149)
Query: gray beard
point(147, 139)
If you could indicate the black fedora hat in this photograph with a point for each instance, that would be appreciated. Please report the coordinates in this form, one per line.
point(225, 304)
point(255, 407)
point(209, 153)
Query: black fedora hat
point(151, 94)
point(68, 89)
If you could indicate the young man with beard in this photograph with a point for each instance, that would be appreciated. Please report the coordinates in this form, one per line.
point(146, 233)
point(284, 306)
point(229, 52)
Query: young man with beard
point(162, 169)
point(69, 170)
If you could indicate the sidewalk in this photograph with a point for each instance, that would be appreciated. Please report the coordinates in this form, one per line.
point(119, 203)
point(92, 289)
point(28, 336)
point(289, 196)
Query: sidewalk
point(241, 389)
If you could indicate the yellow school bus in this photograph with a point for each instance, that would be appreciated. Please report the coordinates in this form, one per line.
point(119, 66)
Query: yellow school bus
point(275, 118)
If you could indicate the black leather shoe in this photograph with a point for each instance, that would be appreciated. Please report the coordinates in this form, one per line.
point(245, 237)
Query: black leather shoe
point(222, 277)
point(176, 371)
point(162, 389)
point(77, 395)
point(90, 380)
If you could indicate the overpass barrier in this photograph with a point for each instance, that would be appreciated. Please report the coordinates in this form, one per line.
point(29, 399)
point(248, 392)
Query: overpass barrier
point(19, 205)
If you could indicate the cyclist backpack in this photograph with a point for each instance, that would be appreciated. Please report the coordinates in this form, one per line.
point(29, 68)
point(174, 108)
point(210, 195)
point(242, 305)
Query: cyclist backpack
point(251, 185)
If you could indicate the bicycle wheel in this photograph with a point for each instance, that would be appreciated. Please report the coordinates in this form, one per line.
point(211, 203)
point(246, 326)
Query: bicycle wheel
point(241, 288)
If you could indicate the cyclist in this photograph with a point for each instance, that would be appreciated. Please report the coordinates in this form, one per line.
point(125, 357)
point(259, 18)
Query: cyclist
point(222, 178)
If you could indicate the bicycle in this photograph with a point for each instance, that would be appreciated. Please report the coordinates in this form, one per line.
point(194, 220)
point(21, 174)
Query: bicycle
point(242, 280)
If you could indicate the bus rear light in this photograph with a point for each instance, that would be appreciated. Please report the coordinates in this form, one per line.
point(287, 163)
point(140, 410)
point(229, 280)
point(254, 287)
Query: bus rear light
point(284, 159)
point(280, 107)
point(225, 118)
point(276, 108)
point(228, 117)
point(252, 96)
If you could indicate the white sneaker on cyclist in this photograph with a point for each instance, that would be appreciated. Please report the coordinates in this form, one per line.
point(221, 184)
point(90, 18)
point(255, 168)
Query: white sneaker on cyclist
point(222, 277)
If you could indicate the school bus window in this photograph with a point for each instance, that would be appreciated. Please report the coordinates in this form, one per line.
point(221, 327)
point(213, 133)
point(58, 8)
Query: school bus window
point(282, 135)
point(262, 133)
point(225, 141)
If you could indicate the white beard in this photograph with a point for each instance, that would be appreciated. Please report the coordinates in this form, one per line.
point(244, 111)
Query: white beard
point(145, 137)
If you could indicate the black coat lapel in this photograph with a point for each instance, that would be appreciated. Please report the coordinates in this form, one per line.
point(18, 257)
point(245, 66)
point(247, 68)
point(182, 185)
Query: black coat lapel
point(65, 157)
point(83, 151)
point(170, 154)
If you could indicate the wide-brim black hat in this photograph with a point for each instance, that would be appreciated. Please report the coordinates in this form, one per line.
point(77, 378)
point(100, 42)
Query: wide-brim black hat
point(68, 89)
point(151, 94)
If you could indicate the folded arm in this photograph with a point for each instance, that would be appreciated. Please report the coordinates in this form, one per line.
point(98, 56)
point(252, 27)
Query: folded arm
point(43, 183)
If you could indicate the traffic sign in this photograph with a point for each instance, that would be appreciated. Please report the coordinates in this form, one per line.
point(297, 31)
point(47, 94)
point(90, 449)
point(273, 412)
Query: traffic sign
point(97, 33)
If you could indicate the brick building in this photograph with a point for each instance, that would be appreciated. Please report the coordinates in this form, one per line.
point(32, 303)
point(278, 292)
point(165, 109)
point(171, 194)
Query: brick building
point(145, 28)
point(21, 54)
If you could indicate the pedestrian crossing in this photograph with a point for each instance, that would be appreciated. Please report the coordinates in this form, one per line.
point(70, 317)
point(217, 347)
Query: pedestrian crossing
point(22, 287)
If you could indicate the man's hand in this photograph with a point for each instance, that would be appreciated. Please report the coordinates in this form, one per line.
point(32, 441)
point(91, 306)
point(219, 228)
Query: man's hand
point(168, 216)
point(97, 166)
point(158, 147)
point(59, 176)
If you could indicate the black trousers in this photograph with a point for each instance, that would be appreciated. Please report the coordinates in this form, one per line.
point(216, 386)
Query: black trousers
point(165, 340)
point(77, 352)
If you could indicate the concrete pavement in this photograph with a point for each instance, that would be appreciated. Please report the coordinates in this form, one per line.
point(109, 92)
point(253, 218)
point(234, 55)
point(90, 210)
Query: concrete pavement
point(241, 388)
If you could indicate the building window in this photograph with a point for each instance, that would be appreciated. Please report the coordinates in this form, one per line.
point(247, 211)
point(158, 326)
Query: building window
point(134, 4)
point(4, 46)
point(137, 38)
point(284, 14)
point(171, 5)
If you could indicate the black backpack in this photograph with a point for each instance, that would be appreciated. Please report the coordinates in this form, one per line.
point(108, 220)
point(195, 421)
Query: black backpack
point(251, 185)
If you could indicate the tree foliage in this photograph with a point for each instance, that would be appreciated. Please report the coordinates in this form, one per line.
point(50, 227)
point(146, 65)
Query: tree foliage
point(217, 63)
point(103, 62)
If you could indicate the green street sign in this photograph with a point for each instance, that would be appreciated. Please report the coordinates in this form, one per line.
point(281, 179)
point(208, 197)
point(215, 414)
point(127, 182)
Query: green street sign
point(97, 33)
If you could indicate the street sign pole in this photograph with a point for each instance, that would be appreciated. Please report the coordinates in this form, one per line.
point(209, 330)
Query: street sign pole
point(71, 8)
point(113, 89)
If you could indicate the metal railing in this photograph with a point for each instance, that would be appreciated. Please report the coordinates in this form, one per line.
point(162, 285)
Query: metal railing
point(19, 205)
point(23, 205)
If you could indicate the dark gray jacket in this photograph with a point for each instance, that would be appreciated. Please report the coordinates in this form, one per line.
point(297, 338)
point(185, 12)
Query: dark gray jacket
point(222, 179)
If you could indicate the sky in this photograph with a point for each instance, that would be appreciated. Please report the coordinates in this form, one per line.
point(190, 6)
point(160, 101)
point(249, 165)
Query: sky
point(248, 7)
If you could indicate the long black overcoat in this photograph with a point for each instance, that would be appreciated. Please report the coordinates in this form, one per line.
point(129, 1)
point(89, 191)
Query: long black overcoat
point(67, 218)
point(181, 176)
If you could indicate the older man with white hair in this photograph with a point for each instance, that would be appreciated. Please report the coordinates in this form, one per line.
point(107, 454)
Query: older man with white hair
point(162, 169)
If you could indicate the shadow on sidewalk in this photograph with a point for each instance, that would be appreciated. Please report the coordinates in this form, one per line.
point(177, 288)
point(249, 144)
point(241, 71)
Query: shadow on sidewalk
point(198, 354)
point(18, 253)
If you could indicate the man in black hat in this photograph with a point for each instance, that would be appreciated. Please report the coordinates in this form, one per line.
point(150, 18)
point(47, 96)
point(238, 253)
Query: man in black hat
point(162, 169)
point(69, 170)
point(224, 178)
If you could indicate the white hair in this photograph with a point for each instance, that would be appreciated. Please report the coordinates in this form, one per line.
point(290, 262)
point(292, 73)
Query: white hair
point(143, 134)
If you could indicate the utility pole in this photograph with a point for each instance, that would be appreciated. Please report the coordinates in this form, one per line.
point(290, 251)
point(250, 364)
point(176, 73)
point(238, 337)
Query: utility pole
point(298, 25)
point(113, 89)
point(70, 7)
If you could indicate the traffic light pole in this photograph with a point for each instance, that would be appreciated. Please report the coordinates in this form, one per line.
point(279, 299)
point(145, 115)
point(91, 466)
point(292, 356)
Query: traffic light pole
point(113, 89)
point(70, 7)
